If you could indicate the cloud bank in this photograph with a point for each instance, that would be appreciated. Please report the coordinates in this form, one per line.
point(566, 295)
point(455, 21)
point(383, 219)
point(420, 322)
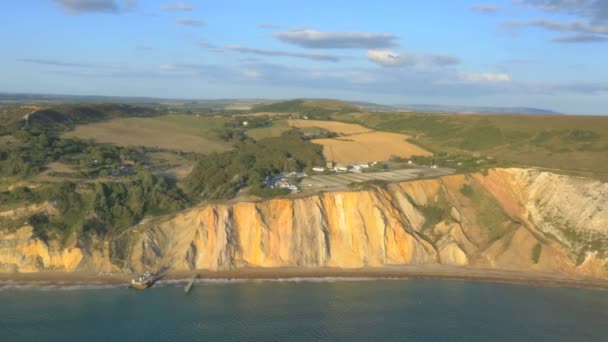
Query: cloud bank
point(177, 6)
point(191, 22)
point(391, 59)
point(92, 6)
point(278, 53)
point(486, 9)
point(337, 40)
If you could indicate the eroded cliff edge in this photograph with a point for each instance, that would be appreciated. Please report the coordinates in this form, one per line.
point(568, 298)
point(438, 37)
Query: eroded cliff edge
point(517, 219)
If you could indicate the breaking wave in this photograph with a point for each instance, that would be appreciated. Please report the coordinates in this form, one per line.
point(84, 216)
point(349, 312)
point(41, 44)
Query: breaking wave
point(46, 286)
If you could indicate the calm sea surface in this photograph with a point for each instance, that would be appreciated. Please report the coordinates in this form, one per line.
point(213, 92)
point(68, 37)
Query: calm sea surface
point(338, 310)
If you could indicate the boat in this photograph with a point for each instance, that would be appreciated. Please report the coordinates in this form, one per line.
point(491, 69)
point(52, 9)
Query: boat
point(189, 285)
point(145, 280)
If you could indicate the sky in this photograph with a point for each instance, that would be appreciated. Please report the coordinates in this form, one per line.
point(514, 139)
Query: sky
point(549, 54)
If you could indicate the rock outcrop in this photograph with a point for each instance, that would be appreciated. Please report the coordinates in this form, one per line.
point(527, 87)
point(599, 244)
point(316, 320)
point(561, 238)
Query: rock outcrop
point(517, 219)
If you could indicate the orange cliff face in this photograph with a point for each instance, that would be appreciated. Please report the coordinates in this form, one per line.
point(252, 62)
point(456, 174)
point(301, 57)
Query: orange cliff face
point(506, 219)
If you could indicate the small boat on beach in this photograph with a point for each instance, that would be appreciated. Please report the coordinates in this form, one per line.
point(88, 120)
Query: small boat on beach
point(146, 280)
point(190, 283)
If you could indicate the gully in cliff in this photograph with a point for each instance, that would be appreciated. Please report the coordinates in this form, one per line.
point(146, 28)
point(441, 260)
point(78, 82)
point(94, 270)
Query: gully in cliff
point(146, 280)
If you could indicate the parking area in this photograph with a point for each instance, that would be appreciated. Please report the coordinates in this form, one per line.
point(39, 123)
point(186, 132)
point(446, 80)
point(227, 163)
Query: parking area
point(343, 180)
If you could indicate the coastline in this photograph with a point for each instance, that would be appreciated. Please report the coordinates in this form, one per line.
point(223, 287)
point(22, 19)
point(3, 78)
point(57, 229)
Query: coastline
point(428, 272)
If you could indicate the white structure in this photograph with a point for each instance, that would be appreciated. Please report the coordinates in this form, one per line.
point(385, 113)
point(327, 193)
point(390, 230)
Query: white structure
point(318, 169)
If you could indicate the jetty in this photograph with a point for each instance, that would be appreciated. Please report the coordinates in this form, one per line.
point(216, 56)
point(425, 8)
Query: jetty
point(190, 283)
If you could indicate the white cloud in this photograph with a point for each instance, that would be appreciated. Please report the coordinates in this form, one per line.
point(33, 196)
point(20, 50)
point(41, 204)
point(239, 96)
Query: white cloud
point(487, 77)
point(279, 53)
point(92, 6)
point(337, 40)
point(167, 67)
point(389, 58)
point(252, 73)
point(486, 9)
point(191, 22)
point(177, 6)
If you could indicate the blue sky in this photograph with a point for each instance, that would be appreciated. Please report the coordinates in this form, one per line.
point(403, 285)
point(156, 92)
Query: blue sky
point(537, 53)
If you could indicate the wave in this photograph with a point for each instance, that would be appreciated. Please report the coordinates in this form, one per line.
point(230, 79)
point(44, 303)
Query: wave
point(204, 281)
point(46, 286)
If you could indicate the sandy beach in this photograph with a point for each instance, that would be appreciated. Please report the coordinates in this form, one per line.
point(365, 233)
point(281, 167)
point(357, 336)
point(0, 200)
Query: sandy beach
point(433, 272)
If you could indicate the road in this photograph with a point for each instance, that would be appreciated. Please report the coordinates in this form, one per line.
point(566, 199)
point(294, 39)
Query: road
point(344, 179)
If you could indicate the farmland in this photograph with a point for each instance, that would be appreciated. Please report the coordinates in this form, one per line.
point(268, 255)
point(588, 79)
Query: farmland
point(173, 132)
point(277, 128)
point(372, 146)
point(334, 126)
point(357, 143)
point(573, 144)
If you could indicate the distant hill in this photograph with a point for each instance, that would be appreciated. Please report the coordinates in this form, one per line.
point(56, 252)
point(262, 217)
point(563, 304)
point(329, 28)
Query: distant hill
point(314, 109)
point(297, 105)
point(66, 116)
point(476, 109)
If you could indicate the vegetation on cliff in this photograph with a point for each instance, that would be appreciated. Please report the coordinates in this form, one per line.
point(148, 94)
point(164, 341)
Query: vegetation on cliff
point(221, 175)
point(100, 207)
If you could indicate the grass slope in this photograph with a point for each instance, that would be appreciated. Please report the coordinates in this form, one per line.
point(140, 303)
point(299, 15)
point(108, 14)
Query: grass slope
point(175, 132)
point(575, 143)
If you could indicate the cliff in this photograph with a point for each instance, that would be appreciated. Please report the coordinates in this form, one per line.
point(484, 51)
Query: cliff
point(514, 219)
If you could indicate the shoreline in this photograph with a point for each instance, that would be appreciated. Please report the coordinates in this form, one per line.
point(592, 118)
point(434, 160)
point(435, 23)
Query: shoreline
point(424, 272)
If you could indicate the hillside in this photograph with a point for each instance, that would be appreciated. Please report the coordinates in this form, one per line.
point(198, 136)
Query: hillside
point(510, 219)
point(576, 144)
point(477, 109)
point(63, 117)
point(314, 109)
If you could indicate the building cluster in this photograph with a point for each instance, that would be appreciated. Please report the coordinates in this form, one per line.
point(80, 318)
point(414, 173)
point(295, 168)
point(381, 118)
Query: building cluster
point(340, 167)
point(285, 180)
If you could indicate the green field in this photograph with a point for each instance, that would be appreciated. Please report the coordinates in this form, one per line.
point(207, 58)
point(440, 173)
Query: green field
point(578, 144)
point(186, 133)
point(277, 128)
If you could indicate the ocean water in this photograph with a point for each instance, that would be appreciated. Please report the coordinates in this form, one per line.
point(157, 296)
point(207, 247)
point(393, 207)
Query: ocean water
point(303, 310)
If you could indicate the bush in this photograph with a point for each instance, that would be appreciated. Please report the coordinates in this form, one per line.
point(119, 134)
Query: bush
point(536, 252)
point(467, 190)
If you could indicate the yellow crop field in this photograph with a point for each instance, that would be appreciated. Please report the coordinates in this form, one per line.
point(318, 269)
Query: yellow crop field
point(334, 126)
point(360, 144)
point(367, 147)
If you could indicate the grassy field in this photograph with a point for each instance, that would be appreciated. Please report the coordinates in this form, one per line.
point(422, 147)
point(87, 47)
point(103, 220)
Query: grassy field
point(277, 128)
point(578, 144)
point(174, 132)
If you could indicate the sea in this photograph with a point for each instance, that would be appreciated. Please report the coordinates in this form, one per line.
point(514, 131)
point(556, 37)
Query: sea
point(330, 309)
